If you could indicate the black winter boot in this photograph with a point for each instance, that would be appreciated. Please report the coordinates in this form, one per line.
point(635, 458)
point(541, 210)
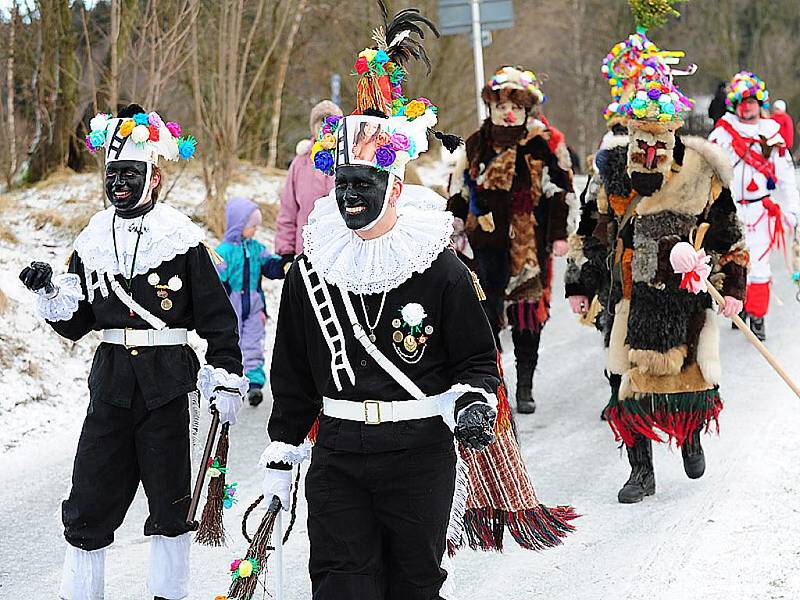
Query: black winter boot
point(255, 396)
point(526, 353)
point(757, 326)
point(694, 460)
point(642, 481)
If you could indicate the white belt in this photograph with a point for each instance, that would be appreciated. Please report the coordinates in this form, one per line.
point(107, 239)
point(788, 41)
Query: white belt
point(134, 338)
point(374, 412)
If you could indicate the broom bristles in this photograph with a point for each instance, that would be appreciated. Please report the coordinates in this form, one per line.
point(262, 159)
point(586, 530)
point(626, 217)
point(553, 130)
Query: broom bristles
point(243, 588)
point(211, 531)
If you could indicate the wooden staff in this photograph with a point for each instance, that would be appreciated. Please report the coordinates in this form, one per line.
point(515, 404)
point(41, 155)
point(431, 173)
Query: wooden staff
point(759, 345)
point(737, 320)
point(201, 474)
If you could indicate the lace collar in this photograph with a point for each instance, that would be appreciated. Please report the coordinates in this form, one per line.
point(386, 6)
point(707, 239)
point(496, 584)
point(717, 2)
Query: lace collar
point(422, 231)
point(167, 233)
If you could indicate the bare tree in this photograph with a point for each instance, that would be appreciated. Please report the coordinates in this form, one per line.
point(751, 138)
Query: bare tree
point(234, 61)
point(10, 107)
point(280, 79)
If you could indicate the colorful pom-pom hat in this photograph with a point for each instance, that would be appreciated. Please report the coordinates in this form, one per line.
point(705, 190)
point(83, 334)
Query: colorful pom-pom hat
point(745, 85)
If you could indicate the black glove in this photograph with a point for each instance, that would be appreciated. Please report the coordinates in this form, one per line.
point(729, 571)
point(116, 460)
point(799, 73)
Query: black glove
point(286, 261)
point(38, 276)
point(475, 427)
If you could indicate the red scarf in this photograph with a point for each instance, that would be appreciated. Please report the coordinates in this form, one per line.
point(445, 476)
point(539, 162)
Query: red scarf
point(743, 148)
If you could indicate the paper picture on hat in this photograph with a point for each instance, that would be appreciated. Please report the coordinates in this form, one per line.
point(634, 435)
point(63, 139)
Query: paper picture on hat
point(366, 140)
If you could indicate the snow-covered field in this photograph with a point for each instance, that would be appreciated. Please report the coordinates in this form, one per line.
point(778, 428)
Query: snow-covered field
point(732, 535)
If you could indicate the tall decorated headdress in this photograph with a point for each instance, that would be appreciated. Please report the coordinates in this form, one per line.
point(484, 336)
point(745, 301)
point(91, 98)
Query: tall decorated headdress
point(655, 97)
point(745, 85)
point(138, 135)
point(387, 130)
point(515, 84)
point(623, 65)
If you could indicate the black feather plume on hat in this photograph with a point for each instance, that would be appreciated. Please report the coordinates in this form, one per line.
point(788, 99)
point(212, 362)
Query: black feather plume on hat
point(396, 36)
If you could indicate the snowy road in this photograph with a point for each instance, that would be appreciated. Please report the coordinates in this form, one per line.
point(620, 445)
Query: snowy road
point(734, 534)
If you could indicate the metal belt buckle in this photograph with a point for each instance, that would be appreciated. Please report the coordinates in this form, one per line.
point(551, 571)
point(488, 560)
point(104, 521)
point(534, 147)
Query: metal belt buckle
point(368, 414)
point(125, 338)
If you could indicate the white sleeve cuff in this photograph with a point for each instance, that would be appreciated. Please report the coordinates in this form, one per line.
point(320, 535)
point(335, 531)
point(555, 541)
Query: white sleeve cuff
point(447, 401)
point(61, 305)
point(285, 453)
point(210, 378)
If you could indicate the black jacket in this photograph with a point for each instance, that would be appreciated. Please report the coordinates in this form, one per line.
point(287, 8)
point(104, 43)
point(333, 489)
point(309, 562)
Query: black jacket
point(459, 348)
point(165, 372)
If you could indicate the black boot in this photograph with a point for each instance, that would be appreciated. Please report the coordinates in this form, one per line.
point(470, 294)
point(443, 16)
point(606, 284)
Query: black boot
point(642, 481)
point(526, 353)
point(742, 316)
point(757, 327)
point(254, 396)
point(694, 460)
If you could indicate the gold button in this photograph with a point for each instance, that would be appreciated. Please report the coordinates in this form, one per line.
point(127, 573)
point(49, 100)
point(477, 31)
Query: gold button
point(134, 352)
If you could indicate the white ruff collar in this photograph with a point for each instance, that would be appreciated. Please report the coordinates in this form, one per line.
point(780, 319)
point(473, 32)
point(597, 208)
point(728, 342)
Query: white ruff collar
point(167, 233)
point(342, 258)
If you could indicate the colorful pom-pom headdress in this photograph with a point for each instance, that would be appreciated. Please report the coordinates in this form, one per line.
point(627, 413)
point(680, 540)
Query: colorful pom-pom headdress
point(387, 130)
point(138, 135)
point(745, 85)
point(622, 67)
point(514, 84)
point(656, 98)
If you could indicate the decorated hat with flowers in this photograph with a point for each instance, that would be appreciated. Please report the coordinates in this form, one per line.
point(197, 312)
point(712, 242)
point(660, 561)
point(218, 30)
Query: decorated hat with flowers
point(745, 85)
point(514, 84)
point(656, 98)
point(388, 129)
point(138, 135)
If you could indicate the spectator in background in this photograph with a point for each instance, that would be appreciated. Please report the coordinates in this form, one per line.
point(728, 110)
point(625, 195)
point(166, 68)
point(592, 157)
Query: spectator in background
point(783, 118)
point(304, 185)
point(717, 107)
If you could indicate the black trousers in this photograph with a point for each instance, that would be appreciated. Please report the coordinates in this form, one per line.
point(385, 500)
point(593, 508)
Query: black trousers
point(118, 448)
point(378, 522)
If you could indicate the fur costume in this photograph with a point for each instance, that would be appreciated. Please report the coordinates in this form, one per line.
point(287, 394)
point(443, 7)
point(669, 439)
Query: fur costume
point(664, 343)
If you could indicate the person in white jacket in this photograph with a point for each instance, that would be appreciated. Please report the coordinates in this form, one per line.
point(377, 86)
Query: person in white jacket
point(764, 185)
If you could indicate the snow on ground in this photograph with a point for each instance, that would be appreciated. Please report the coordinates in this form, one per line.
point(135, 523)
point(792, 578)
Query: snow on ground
point(730, 535)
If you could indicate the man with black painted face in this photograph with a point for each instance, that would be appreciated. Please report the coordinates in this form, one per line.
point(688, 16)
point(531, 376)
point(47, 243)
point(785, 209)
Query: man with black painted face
point(381, 335)
point(141, 276)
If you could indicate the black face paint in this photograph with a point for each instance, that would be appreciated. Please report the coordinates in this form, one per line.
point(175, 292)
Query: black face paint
point(646, 184)
point(126, 181)
point(360, 194)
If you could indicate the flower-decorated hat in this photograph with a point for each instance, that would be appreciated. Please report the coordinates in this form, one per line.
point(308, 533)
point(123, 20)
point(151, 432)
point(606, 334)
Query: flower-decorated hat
point(745, 85)
point(387, 130)
point(514, 84)
point(138, 135)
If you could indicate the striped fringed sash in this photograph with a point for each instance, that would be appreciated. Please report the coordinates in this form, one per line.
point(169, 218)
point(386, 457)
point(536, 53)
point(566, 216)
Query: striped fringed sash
point(501, 497)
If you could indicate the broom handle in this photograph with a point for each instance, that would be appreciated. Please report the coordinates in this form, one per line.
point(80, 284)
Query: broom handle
point(201, 473)
point(737, 320)
point(278, 537)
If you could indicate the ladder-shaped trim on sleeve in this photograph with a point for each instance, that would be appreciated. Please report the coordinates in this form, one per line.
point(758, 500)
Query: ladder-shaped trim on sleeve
point(328, 323)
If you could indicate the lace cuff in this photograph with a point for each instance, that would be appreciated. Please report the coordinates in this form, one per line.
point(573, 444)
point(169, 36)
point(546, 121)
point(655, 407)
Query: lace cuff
point(61, 305)
point(210, 378)
point(285, 453)
point(447, 401)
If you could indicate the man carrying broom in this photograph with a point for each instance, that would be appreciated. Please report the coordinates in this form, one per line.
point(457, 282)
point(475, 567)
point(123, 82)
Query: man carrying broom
point(139, 275)
point(381, 329)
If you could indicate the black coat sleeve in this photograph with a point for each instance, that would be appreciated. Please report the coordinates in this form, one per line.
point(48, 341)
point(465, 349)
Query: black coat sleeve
point(468, 337)
point(214, 317)
point(82, 321)
point(296, 400)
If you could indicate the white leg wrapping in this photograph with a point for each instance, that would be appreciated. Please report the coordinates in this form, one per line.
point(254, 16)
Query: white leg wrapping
point(169, 566)
point(84, 574)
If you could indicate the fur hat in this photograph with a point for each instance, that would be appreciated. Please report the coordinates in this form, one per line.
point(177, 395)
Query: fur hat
point(514, 85)
point(325, 108)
